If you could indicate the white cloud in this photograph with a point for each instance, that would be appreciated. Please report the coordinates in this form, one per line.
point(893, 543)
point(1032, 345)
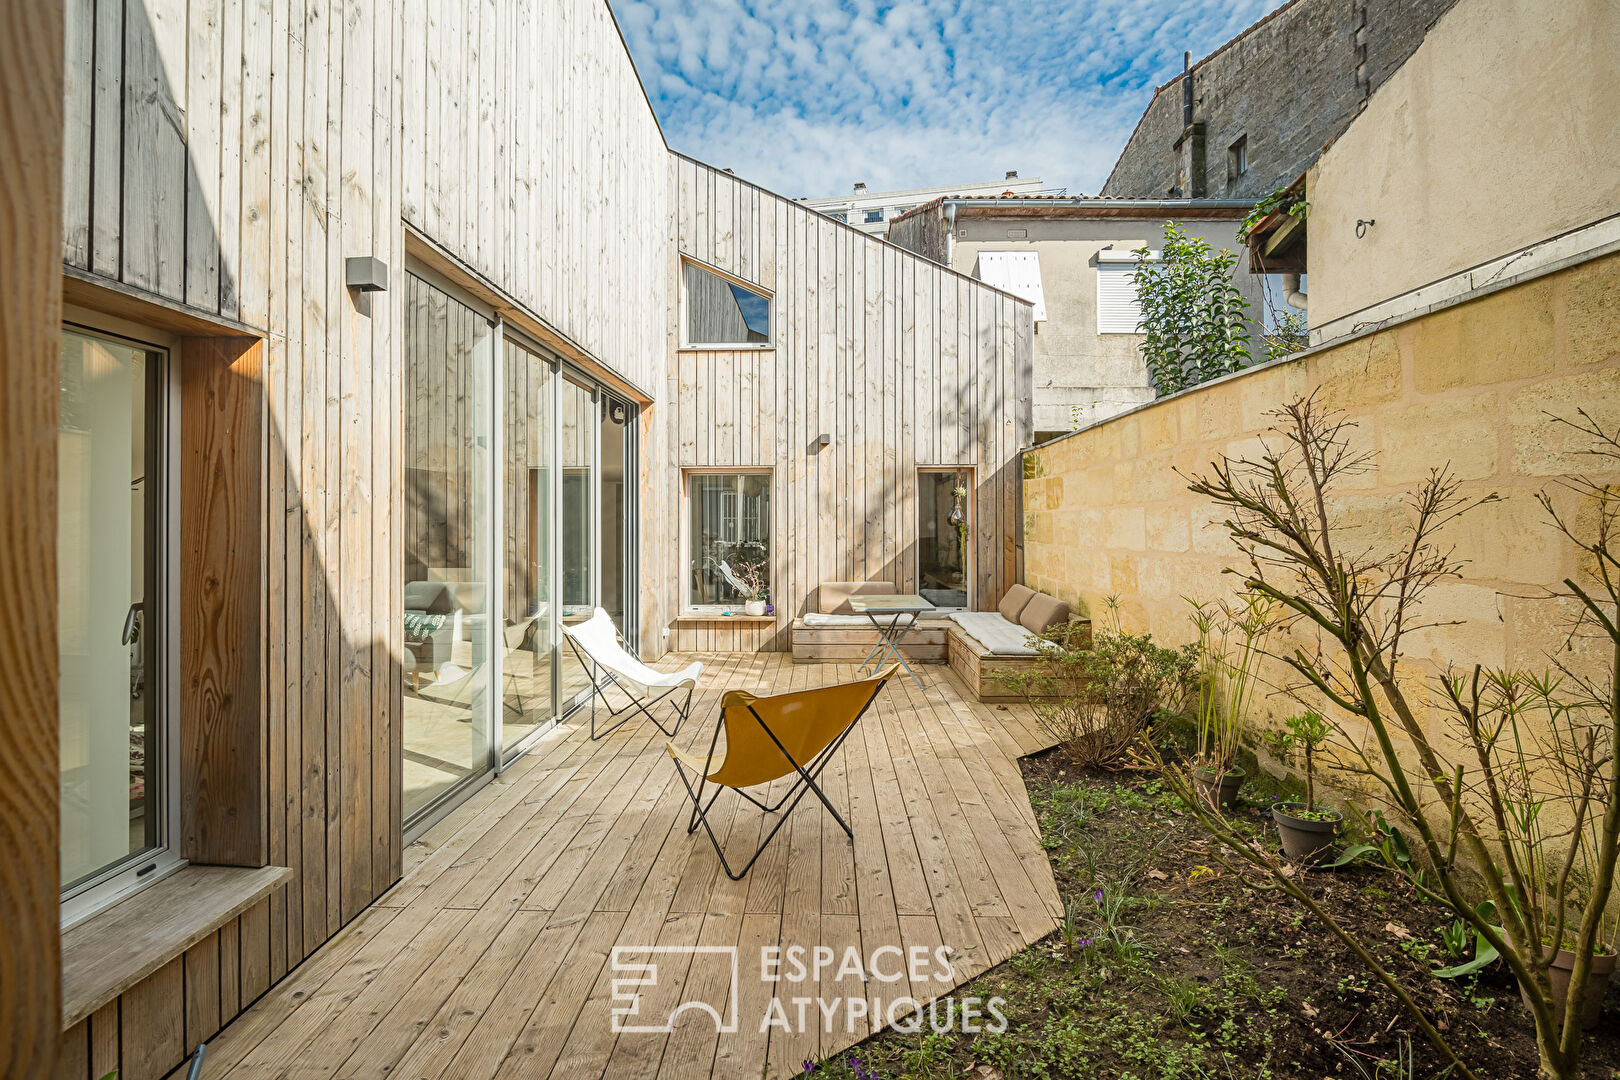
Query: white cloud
point(808, 96)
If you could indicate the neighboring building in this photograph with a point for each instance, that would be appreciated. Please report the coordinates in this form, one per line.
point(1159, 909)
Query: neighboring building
point(1462, 176)
point(1071, 257)
point(1257, 111)
point(871, 211)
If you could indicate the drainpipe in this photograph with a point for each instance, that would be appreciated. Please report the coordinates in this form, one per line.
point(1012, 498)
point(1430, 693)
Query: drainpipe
point(950, 234)
point(1291, 294)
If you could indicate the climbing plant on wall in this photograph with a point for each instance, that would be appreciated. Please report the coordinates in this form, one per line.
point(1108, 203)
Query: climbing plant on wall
point(1195, 322)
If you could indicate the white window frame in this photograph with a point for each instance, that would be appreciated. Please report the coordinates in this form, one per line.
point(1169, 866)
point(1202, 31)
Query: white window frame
point(687, 606)
point(724, 346)
point(128, 876)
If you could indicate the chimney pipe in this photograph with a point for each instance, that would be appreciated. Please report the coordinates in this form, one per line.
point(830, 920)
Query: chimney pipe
point(1186, 90)
point(1012, 174)
point(860, 187)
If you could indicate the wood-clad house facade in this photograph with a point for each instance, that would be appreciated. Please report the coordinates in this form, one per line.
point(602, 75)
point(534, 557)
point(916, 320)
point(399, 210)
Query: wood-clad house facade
point(220, 161)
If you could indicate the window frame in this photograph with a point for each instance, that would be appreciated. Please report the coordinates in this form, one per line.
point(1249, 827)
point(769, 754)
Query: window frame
point(128, 876)
point(687, 606)
point(1237, 157)
point(970, 505)
point(686, 344)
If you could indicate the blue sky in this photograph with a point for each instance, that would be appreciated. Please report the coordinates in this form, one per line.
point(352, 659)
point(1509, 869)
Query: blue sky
point(808, 96)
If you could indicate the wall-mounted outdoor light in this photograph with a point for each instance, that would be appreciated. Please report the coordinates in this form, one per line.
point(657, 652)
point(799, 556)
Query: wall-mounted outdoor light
point(366, 274)
point(823, 440)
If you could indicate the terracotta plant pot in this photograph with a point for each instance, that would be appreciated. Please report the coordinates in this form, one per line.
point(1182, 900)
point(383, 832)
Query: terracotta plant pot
point(1597, 984)
point(755, 607)
point(1304, 839)
point(1218, 788)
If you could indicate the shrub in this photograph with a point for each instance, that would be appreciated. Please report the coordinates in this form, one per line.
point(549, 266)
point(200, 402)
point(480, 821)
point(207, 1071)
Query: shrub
point(1195, 322)
point(1097, 693)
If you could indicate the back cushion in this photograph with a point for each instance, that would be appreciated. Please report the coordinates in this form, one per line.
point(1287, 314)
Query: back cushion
point(429, 596)
point(833, 596)
point(1042, 613)
point(1012, 604)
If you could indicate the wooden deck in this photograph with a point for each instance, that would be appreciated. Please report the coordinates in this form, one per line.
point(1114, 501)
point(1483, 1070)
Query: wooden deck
point(491, 958)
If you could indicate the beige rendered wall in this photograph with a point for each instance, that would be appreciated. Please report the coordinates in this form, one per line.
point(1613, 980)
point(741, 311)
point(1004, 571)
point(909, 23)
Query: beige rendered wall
point(1500, 131)
point(1472, 385)
point(1073, 364)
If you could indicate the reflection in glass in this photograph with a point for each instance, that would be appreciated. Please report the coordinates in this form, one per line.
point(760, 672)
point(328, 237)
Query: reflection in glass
point(944, 528)
point(578, 420)
point(528, 544)
point(108, 605)
point(446, 543)
point(730, 538)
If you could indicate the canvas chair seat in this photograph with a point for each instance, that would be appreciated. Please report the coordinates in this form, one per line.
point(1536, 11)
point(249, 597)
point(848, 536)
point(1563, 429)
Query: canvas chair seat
point(597, 644)
point(774, 738)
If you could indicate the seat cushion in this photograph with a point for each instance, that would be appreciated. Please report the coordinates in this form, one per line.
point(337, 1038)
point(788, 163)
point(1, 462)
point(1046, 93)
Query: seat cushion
point(815, 620)
point(1042, 613)
point(995, 635)
point(1013, 601)
point(833, 596)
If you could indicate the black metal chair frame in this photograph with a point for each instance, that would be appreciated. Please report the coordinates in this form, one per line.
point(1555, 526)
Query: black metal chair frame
point(808, 773)
point(636, 703)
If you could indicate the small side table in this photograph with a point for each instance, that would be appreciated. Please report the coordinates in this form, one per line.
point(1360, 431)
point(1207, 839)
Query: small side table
point(888, 612)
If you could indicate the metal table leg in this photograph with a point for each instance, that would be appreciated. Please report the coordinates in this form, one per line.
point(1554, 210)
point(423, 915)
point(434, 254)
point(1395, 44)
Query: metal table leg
point(889, 642)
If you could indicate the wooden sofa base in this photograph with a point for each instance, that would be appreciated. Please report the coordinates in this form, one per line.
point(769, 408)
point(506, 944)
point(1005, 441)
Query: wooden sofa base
point(977, 668)
point(851, 644)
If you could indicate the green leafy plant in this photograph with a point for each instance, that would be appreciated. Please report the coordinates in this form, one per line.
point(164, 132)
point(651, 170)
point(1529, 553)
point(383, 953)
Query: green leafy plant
point(1231, 640)
point(1289, 199)
point(1454, 937)
point(1096, 694)
point(1290, 334)
point(1195, 321)
point(1306, 733)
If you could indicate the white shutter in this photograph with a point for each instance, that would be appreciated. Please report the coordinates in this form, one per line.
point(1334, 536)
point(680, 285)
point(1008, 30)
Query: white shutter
point(1117, 309)
point(1017, 272)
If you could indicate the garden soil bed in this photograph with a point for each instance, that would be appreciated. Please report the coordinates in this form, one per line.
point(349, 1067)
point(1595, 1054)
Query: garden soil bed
point(1201, 976)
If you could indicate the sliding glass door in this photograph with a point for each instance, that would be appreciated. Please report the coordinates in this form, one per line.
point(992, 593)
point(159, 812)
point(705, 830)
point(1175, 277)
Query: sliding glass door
point(529, 544)
point(518, 519)
point(577, 415)
point(448, 545)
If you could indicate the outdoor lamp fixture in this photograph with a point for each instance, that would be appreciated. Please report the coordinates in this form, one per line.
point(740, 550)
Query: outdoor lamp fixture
point(617, 412)
point(824, 440)
point(365, 274)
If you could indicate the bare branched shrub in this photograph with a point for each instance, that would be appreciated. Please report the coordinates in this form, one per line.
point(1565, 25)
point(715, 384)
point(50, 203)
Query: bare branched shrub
point(1547, 887)
point(1096, 694)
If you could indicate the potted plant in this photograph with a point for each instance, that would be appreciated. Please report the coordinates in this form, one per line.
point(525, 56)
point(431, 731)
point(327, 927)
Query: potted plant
point(1229, 646)
point(753, 572)
point(1307, 830)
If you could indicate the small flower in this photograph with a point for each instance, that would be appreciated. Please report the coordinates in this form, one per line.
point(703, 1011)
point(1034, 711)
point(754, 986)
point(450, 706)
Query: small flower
point(1098, 897)
point(809, 1066)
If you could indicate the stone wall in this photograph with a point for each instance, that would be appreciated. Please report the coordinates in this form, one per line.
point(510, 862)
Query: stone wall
point(1472, 385)
point(1289, 84)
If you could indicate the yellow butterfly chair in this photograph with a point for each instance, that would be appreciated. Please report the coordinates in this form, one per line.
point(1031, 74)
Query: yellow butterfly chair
point(771, 738)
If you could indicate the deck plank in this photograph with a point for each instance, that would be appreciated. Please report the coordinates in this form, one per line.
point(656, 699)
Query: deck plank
point(493, 956)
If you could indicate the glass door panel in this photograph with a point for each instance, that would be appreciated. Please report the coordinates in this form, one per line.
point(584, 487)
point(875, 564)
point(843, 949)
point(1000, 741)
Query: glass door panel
point(615, 510)
point(577, 419)
point(447, 545)
point(944, 532)
point(109, 610)
point(529, 694)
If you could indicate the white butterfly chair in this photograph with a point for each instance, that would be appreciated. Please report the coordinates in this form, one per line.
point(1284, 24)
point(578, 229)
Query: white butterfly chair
point(597, 643)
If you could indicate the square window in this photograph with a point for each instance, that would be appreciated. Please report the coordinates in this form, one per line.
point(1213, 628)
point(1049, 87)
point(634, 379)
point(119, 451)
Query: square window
point(874, 215)
point(728, 539)
point(721, 312)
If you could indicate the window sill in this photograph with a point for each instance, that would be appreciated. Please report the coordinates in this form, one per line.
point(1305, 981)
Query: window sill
point(687, 618)
point(114, 949)
point(741, 346)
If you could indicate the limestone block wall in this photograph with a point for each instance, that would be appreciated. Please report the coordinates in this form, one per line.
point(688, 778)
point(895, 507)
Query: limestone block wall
point(1472, 385)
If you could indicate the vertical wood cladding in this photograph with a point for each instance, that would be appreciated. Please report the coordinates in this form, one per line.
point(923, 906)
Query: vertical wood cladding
point(901, 361)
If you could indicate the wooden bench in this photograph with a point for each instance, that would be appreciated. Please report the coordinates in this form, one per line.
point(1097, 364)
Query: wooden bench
point(925, 644)
point(977, 667)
